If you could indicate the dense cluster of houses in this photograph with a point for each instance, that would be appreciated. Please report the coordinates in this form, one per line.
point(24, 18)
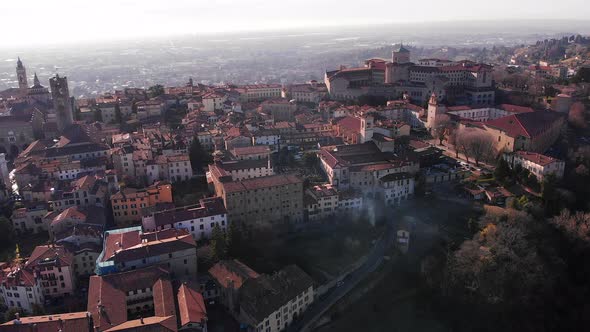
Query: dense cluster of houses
point(102, 188)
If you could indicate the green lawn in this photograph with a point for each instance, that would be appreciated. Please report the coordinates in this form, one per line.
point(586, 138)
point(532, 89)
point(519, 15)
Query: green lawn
point(189, 192)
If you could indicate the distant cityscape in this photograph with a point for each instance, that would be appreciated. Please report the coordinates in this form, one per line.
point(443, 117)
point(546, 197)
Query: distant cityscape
point(253, 184)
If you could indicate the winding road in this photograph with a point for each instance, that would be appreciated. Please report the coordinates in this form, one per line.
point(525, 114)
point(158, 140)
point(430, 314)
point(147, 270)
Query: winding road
point(320, 306)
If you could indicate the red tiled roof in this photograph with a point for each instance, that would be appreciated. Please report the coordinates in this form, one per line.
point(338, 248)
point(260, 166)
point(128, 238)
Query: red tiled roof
point(256, 149)
point(47, 252)
point(349, 122)
point(107, 295)
point(147, 324)
point(191, 306)
point(18, 276)
point(231, 273)
point(530, 124)
point(163, 298)
point(73, 321)
point(516, 109)
point(134, 245)
point(69, 213)
point(537, 158)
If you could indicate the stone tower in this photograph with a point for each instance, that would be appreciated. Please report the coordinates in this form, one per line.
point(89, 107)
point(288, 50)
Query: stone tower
point(21, 75)
point(400, 55)
point(36, 81)
point(434, 109)
point(367, 124)
point(62, 102)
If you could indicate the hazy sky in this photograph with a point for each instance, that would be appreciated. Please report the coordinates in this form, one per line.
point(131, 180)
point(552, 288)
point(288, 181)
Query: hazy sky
point(28, 22)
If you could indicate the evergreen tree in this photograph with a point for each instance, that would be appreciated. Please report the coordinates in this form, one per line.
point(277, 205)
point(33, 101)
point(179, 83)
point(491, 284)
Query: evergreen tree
point(155, 91)
point(198, 156)
point(10, 314)
point(502, 170)
point(218, 244)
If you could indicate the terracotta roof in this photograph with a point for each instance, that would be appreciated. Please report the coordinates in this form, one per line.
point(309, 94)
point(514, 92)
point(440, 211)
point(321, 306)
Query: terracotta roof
point(530, 124)
point(148, 324)
point(69, 213)
point(516, 109)
point(121, 247)
point(349, 122)
point(73, 321)
point(537, 158)
point(247, 150)
point(232, 273)
point(18, 276)
point(107, 295)
point(46, 253)
point(163, 298)
point(191, 306)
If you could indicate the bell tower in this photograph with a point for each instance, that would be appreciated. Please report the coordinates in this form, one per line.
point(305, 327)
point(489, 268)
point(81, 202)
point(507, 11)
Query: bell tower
point(62, 103)
point(434, 109)
point(21, 75)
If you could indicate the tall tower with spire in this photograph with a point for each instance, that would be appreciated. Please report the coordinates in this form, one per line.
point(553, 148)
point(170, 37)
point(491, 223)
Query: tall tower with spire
point(21, 75)
point(62, 103)
point(36, 80)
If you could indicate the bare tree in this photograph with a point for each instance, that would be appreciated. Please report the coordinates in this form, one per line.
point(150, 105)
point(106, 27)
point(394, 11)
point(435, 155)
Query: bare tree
point(574, 225)
point(452, 140)
point(461, 139)
point(441, 128)
point(475, 143)
point(577, 115)
point(480, 145)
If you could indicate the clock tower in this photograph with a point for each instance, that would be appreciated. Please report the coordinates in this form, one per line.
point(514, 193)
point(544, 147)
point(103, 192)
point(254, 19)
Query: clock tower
point(21, 75)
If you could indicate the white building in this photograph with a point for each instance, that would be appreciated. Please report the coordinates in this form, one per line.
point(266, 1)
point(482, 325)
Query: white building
point(396, 188)
point(258, 92)
point(199, 220)
point(321, 202)
point(270, 303)
point(131, 248)
point(268, 137)
point(30, 218)
point(19, 288)
point(149, 108)
point(325, 201)
point(538, 164)
point(213, 101)
point(173, 168)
